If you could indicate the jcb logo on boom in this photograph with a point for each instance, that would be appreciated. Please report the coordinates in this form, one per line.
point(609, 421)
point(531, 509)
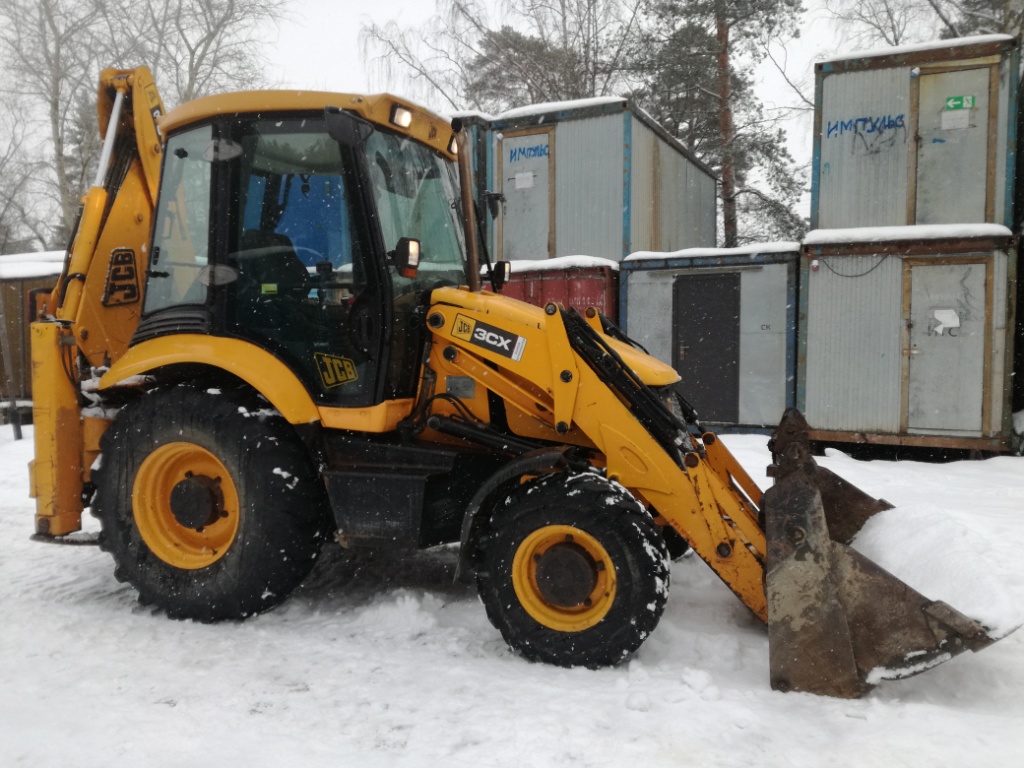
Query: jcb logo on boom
point(334, 370)
point(488, 337)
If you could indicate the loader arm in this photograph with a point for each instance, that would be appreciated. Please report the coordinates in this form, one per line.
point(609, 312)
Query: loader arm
point(700, 491)
point(94, 309)
point(837, 623)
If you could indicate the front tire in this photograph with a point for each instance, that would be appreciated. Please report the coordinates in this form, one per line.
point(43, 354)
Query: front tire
point(573, 571)
point(208, 503)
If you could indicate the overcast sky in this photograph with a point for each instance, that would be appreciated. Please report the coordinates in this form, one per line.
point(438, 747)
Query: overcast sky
point(318, 48)
point(318, 43)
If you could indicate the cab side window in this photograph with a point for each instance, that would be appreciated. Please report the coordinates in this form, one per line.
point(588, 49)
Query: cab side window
point(179, 259)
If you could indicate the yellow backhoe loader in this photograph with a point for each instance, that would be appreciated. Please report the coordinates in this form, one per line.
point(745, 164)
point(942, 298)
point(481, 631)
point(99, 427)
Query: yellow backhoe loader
point(270, 330)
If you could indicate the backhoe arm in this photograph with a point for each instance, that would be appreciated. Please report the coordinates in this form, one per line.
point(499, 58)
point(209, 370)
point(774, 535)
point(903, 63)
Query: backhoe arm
point(95, 307)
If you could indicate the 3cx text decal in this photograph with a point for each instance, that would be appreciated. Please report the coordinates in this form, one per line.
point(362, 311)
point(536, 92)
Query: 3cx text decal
point(489, 337)
point(334, 370)
point(122, 286)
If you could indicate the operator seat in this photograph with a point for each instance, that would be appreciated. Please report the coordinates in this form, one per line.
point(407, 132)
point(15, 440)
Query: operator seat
point(268, 262)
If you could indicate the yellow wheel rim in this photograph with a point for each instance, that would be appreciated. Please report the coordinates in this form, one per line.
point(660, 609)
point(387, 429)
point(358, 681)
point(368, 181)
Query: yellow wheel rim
point(564, 578)
point(185, 505)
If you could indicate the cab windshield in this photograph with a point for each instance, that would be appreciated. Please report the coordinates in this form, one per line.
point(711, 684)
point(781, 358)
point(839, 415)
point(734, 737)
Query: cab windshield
point(417, 196)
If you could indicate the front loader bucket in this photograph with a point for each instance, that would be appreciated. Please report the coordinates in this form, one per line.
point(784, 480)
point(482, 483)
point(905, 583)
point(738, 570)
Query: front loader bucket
point(837, 622)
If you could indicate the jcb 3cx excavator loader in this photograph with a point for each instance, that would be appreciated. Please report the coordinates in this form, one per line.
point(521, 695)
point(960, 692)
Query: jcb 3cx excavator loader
point(270, 329)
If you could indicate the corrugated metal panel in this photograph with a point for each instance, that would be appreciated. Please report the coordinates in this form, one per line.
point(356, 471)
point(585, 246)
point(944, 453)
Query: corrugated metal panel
point(621, 182)
point(766, 324)
point(1005, 150)
point(648, 294)
point(851, 343)
point(766, 328)
point(588, 187)
point(645, 203)
point(864, 145)
point(1003, 317)
point(912, 346)
point(673, 200)
point(700, 186)
point(912, 138)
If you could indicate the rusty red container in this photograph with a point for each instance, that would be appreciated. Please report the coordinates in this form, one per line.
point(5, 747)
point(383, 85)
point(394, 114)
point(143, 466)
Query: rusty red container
point(572, 281)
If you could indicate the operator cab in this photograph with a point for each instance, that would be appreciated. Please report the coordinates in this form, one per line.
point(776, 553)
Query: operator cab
point(299, 231)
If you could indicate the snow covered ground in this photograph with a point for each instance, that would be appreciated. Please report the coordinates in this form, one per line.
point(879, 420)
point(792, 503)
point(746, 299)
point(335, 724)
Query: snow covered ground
point(382, 662)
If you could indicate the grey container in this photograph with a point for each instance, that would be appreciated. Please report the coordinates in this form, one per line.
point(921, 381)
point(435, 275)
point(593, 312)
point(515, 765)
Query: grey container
point(925, 135)
point(725, 319)
point(596, 177)
point(906, 335)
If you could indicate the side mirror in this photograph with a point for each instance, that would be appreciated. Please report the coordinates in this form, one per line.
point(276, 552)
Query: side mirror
point(493, 201)
point(406, 257)
point(501, 271)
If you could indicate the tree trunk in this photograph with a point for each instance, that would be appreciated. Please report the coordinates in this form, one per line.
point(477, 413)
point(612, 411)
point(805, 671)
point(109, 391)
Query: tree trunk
point(728, 132)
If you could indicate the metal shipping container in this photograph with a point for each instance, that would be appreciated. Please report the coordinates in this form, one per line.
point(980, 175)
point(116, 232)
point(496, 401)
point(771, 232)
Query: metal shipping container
point(22, 276)
point(917, 135)
point(572, 281)
point(596, 177)
point(906, 335)
point(725, 319)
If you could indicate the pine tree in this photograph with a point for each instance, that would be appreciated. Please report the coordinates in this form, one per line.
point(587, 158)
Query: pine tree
point(695, 87)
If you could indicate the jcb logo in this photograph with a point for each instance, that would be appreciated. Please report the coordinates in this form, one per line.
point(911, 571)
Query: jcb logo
point(463, 327)
point(334, 370)
point(122, 286)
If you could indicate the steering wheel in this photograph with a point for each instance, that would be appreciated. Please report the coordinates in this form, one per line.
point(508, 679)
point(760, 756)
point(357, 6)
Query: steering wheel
point(310, 257)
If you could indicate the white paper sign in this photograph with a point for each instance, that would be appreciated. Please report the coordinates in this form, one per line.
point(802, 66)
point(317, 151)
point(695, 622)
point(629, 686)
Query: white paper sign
point(953, 119)
point(524, 180)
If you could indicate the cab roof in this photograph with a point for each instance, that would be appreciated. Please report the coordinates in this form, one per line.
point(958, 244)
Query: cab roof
point(425, 126)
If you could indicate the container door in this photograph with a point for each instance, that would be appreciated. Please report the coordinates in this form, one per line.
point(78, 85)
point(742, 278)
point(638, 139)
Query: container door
point(706, 343)
point(953, 148)
point(947, 347)
point(527, 181)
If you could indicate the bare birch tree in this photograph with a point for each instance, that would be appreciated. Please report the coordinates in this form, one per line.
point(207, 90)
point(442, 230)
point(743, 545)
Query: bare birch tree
point(19, 228)
point(493, 56)
point(45, 47)
point(193, 47)
point(867, 23)
point(51, 52)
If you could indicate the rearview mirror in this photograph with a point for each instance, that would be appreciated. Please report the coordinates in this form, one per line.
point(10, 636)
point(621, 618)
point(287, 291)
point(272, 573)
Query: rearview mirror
point(406, 257)
point(500, 273)
point(494, 201)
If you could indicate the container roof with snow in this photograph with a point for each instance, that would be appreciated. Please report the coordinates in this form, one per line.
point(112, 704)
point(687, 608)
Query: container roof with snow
point(919, 53)
point(581, 109)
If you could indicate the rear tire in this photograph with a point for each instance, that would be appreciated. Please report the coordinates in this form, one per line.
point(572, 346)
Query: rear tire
point(573, 571)
point(208, 503)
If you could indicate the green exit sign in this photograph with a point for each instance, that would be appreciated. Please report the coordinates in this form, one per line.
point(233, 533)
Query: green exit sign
point(960, 102)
